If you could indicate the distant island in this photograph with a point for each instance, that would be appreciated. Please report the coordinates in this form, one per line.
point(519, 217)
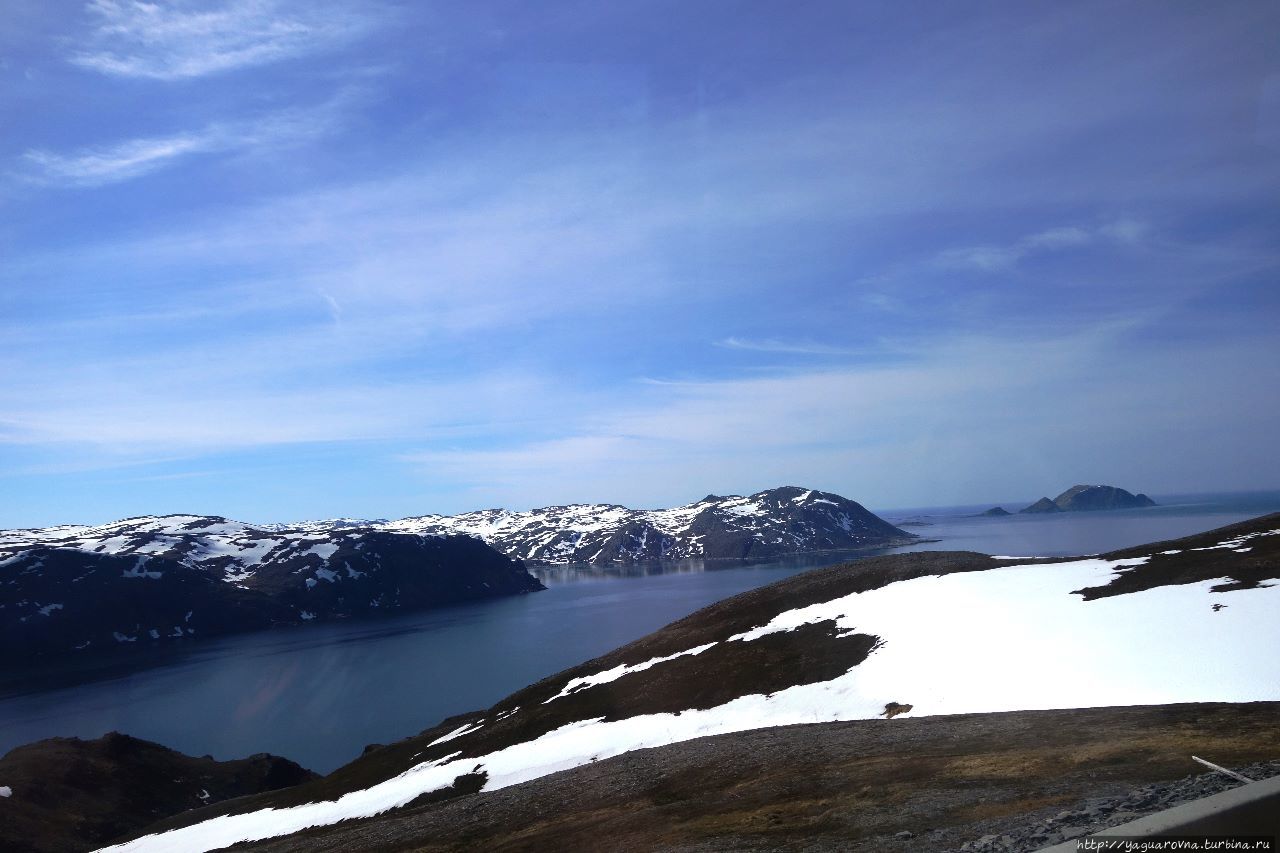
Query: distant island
point(1087, 499)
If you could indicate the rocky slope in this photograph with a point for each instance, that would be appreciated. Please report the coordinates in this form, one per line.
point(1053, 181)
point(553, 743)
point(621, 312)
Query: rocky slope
point(776, 521)
point(1014, 781)
point(1090, 499)
point(947, 633)
point(157, 580)
point(66, 794)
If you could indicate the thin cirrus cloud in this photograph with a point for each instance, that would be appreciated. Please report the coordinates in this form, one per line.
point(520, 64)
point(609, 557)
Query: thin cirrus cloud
point(133, 158)
point(874, 429)
point(773, 345)
point(147, 40)
point(999, 258)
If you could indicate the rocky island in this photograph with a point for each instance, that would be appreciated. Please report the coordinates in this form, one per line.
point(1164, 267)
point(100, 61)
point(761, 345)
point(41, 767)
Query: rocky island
point(1088, 499)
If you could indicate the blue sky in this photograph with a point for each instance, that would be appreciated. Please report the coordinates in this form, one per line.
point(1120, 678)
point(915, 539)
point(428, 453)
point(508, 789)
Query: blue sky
point(278, 260)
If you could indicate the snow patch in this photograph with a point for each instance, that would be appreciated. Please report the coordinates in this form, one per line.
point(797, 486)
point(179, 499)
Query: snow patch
point(465, 729)
point(138, 572)
point(585, 681)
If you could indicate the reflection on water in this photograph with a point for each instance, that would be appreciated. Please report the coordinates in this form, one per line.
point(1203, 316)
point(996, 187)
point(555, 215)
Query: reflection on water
point(319, 693)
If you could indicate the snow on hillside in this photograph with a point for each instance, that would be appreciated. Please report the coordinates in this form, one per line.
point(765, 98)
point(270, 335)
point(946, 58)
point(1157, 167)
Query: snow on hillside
point(229, 548)
point(1010, 638)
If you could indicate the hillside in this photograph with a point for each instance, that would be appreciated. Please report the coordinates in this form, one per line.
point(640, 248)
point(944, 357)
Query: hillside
point(947, 633)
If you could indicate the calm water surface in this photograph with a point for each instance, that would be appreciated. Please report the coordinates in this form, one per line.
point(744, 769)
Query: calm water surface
point(318, 694)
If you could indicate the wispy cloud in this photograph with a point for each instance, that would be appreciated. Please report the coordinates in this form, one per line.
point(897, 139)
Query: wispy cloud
point(132, 158)
point(176, 41)
point(783, 347)
point(120, 162)
point(999, 412)
point(998, 258)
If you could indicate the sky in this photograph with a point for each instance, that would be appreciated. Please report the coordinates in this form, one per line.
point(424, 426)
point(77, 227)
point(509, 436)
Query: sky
point(278, 260)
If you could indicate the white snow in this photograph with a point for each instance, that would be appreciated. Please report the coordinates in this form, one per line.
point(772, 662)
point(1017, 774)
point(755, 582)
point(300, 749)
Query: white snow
point(465, 729)
point(946, 650)
point(324, 550)
point(306, 615)
point(582, 682)
point(328, 574)
point(6, 791)
point(138, 572)
point(49, 608)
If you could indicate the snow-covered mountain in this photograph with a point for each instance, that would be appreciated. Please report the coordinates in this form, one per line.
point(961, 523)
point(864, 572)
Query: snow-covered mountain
point(776, 521)
point(160, 578)
point(925, 633)
point(156, 579)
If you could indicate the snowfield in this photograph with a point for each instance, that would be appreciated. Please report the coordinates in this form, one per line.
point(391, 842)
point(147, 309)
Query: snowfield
point(1010, 638)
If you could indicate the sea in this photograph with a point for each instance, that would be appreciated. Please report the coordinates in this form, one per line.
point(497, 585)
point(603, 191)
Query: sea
point(318, 694)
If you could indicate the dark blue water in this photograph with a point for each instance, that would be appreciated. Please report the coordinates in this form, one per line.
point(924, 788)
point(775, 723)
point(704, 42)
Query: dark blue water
point(318, 694)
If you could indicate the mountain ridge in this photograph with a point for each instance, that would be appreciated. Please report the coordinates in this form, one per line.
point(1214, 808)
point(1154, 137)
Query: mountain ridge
point(159, 579)
point(781, 520)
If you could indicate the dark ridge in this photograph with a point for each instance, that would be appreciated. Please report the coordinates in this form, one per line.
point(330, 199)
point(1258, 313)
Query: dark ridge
point(72, 795)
